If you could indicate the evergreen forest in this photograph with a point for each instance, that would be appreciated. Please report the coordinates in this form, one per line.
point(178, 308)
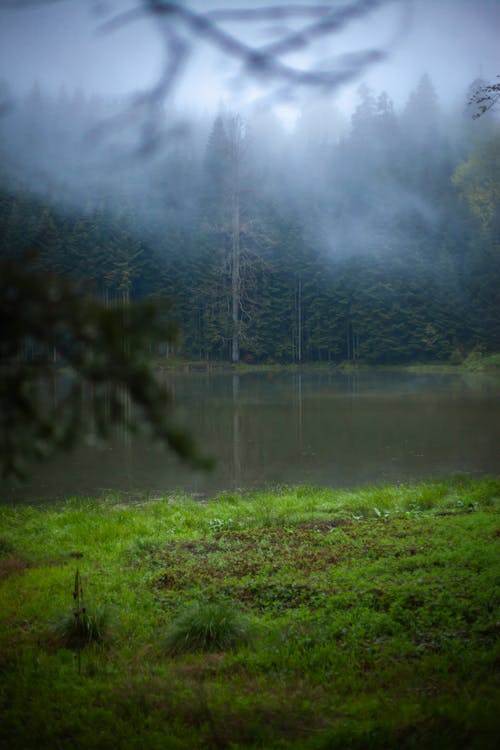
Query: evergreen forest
point(372, 239)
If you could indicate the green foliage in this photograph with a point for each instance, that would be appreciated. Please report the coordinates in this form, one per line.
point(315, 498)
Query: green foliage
point(208, 626)
point(478, 181)
point(478, 361)
point(220, 524)
point(6, 546)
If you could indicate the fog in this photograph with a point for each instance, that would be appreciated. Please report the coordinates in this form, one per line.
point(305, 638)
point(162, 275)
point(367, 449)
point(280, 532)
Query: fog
point(76, 49)
point(349, 132)
point(72, 43)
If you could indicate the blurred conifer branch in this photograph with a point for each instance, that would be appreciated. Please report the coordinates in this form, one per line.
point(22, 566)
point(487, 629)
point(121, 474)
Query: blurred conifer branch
point(485, 98)
point(104, 354)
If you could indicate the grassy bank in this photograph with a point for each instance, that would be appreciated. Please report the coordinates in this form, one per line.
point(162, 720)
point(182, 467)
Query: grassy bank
point(474, 362)
point(329, 620)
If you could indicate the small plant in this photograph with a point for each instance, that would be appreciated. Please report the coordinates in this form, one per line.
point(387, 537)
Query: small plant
point(83, 625)
point(209, 626)
point(381, 514)
point(220, 524)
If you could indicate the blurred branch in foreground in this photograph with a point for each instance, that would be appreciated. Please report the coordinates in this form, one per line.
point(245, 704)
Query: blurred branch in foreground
point(237, 35)
point(108, 376)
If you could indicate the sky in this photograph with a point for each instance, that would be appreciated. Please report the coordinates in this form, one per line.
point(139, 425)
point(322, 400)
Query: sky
point(64, 43)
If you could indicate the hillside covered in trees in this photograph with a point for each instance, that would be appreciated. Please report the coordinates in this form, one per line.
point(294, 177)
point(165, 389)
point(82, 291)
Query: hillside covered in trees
point(375, 239)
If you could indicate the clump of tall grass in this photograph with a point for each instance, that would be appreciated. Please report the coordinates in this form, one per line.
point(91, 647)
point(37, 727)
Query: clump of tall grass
point(209, 626)
point(83, 625)
point(89, 626)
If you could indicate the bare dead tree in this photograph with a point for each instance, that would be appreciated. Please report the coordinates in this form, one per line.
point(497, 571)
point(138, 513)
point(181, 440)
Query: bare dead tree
point(235, 142)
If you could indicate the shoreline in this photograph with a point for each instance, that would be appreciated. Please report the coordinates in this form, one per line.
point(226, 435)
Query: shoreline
point(488, 364)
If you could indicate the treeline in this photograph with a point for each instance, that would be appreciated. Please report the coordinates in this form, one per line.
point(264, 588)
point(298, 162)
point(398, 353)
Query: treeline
point(376, 240)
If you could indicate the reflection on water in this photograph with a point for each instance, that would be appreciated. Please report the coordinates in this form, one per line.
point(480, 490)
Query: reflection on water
point(303, 427)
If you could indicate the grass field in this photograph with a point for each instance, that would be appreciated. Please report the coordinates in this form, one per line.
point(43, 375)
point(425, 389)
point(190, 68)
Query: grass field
point(302, 618)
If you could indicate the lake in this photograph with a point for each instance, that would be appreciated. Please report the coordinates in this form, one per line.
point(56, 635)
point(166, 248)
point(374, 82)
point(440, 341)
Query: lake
point(269, 429)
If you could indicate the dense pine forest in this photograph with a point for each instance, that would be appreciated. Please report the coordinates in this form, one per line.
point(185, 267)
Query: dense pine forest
point(373, 239)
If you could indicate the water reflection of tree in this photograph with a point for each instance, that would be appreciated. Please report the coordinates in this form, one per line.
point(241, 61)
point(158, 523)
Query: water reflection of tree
point(299, 400)
point(236, 433)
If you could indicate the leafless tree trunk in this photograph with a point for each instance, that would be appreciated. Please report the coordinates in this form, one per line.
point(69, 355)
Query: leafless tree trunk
point(235, 135)
point(299, 320)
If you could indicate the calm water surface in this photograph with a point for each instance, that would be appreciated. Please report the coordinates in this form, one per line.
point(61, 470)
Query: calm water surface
point(338, 430)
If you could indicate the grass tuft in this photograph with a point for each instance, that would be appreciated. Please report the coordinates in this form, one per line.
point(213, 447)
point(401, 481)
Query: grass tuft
point(79, 629)
point(209, 626)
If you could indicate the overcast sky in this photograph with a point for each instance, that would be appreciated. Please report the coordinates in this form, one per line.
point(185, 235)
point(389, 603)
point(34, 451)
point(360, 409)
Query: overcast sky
point(59, 44)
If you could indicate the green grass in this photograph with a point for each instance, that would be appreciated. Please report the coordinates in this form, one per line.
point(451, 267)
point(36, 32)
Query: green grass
point(475, 361)
point(299, 618)
point(208, 626)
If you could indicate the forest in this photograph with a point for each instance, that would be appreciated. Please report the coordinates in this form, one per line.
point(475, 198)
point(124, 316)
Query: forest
point(373, 239)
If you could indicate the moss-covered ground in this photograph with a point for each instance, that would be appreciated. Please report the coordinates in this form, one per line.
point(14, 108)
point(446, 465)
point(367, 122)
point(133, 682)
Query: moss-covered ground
point(374, 617)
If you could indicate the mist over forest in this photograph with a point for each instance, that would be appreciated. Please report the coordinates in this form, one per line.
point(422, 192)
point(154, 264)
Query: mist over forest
point(370, 236)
